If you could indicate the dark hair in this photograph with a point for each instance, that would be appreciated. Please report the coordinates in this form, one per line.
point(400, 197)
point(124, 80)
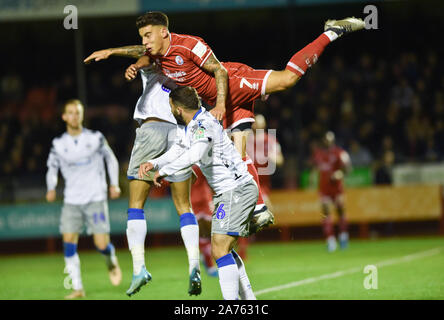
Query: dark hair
point(155, 18)
point(186, 97)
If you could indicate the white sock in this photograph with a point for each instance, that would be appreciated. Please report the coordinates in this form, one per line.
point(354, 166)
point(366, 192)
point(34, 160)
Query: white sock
point(228, 277)
point(245, 290)
point(189, 230)
point(331, 35)
point(136, 233)
point(73, 268)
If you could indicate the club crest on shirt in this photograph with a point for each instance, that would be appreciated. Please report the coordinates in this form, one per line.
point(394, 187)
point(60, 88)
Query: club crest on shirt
point(200, 133)
point(179, 60)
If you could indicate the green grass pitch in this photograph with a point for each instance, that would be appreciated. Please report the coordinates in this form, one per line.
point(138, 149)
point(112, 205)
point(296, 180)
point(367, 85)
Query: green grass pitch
point(407, 268)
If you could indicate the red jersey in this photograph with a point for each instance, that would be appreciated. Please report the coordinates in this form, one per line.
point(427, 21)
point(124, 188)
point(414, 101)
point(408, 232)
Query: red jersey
point(201, 194)
point(260, 146)
point(328, 161)
point(183, 63)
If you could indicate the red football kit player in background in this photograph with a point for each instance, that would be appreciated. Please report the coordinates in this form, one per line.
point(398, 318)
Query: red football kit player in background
point(333, 163)
point(265, 152)
point(230, 87)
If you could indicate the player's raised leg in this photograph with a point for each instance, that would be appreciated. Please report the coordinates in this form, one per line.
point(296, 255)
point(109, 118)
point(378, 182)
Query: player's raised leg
point(189, 230)
point(307, 56)
point(136, 233)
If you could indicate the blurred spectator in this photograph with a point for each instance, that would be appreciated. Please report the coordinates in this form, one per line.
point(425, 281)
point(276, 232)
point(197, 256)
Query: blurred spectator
point(383, 172)
point(360, 156)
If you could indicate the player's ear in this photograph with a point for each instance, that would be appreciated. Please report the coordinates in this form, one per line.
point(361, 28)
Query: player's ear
point(164, 32)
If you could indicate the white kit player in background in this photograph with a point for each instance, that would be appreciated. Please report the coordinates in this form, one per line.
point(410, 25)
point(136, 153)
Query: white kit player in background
point(79, 154)
point(205, 143)
point(156, 134)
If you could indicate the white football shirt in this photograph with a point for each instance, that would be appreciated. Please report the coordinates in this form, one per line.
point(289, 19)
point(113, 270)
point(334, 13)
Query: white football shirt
point(81, 162)
point(204, 142)
point(154, 101)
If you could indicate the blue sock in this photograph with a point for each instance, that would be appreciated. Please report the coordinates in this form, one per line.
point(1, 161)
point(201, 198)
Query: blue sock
point(108, 250)
point(136, 214)
point(187, 219)
point(69, 249)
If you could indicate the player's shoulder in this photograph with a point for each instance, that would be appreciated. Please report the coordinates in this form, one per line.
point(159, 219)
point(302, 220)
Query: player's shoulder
point(203, 124)
point(338, 150)
point(92, 133)
point(189, 45)
point(59, 139)
point(208, 120)
point(185, 39)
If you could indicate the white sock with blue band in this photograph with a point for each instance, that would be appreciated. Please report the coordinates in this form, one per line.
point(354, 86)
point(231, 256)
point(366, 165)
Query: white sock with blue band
point(189, 229)
point(228, 277)
point(72, 262)
point(136, 233)
point(245, 290)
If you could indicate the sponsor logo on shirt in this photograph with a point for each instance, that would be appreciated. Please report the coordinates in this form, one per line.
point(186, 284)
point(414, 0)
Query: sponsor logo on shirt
point(166, 89)
point(179, 60)
point(199, 49)
point(177, 76)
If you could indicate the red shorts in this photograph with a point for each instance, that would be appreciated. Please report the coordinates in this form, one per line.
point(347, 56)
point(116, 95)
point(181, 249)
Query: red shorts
point(245, 85)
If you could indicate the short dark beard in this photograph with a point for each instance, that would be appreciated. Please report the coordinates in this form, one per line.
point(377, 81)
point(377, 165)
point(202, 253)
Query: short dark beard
point(179, 120)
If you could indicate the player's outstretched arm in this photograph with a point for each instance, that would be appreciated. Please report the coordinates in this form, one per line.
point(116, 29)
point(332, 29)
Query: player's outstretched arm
point(212, 65)
point(135, 52)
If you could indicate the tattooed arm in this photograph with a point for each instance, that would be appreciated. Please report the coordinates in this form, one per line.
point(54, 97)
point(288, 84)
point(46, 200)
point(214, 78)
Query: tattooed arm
point(135, 51)
point(212, 65)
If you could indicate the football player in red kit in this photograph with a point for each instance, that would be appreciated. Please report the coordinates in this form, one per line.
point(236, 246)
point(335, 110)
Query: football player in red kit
point(332, 163)
point(230, 87)
point(265, 152)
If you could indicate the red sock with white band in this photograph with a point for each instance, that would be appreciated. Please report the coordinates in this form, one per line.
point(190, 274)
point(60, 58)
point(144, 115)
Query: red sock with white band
point(305, 58)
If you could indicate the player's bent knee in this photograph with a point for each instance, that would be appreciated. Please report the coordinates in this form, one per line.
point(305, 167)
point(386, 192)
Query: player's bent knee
point(221, 245)
point(290, 80)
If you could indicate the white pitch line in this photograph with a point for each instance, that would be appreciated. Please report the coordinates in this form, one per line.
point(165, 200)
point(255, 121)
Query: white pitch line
point(341, 273)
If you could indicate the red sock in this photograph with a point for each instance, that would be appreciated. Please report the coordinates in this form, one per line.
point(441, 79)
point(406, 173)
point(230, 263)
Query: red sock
point(205, 249)
point(343, 225)
point(328, 227)
point(252, 170)
point(308, 56)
